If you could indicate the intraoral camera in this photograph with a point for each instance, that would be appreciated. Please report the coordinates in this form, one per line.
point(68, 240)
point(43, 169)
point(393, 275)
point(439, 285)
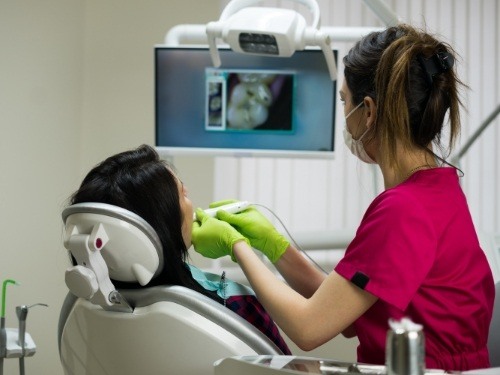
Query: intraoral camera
point(268, 31)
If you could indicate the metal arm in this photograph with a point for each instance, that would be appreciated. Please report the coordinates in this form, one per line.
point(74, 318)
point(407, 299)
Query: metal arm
point(383, 12)
point(456, 159)
point(196, 34)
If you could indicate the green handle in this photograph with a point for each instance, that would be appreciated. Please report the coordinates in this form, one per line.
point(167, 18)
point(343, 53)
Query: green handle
point(4, 288)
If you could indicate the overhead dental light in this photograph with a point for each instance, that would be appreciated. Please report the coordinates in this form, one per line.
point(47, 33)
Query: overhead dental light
point(268, 31)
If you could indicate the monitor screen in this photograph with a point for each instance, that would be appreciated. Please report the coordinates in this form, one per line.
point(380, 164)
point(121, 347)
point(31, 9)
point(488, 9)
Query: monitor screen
point(250, 105)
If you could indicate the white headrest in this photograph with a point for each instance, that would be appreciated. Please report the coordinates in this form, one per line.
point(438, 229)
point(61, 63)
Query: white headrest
point(133, 251)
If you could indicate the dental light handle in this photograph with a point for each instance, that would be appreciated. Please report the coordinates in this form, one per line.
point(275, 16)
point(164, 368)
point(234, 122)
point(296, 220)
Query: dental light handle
point(236, 5)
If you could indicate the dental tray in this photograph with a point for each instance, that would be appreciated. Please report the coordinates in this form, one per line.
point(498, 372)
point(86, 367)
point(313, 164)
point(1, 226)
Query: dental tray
point(268, 364)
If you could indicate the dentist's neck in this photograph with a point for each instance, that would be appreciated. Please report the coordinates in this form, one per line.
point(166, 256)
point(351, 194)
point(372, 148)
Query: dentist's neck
point(409, 162)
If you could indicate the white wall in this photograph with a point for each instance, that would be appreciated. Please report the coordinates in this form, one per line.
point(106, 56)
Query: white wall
point(76, 85)
point(40, 111)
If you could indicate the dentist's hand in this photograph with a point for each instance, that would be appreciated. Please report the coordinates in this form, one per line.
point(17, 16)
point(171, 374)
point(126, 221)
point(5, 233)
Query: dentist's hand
point(213, 238)
point(258, 229)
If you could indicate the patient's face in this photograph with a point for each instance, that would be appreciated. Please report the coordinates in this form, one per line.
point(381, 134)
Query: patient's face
point(187, 213)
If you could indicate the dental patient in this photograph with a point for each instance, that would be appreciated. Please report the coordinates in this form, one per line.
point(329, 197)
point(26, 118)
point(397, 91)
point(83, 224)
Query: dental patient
point(139, 181)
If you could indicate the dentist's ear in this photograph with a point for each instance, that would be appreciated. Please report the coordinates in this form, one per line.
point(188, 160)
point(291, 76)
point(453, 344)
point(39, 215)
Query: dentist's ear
point(370, 111)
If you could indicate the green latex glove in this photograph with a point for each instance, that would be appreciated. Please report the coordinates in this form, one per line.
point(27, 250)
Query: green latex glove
point(213, 238)
point(257, 228)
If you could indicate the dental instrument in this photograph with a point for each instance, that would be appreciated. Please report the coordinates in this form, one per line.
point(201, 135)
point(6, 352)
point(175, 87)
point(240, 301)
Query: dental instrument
point(16, 343)
point(232, 208)
point(22, 314)
point(239, 206)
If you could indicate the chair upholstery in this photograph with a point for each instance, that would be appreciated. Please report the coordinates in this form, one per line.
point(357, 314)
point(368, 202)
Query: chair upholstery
point(172, 330)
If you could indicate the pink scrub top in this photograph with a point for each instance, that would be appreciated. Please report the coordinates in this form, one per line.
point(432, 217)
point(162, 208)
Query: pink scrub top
point(418, 252)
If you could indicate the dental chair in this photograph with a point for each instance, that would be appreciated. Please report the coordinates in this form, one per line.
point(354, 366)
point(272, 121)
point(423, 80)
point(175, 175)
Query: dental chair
point(149, 330)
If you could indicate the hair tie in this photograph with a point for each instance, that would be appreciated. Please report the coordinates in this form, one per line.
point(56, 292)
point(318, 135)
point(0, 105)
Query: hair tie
point(436, 64)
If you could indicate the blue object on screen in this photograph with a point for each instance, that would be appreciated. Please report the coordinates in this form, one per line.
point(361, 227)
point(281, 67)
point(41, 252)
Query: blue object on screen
point(251, 105)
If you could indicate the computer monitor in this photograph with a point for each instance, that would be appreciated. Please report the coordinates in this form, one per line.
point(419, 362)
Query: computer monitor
point(250, 106)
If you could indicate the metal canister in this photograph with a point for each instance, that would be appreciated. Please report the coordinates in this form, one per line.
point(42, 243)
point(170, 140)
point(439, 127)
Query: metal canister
point(405, 348)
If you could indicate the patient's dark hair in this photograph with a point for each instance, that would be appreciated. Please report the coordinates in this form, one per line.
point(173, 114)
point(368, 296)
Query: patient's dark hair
point(139, 181)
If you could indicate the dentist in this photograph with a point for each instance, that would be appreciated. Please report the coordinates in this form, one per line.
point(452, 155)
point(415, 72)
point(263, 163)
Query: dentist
point(416, 253)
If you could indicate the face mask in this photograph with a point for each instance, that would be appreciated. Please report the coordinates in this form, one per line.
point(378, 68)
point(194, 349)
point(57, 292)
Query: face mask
point(356, 145)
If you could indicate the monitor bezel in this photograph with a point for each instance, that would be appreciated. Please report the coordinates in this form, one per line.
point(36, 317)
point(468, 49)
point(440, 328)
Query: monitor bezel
point(172, 151)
